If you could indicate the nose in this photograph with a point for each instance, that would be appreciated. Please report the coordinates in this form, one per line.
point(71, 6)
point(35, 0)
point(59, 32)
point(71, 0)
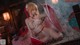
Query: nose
point(34, 12)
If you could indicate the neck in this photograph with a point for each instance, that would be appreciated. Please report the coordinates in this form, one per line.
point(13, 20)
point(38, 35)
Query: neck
point(31, 17)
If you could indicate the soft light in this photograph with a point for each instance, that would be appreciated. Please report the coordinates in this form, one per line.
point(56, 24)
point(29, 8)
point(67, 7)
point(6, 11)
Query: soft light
point(6, 16)
point(54, 1)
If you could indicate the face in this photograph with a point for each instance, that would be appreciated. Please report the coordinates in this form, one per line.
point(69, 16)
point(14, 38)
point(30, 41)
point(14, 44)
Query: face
point(33, 10)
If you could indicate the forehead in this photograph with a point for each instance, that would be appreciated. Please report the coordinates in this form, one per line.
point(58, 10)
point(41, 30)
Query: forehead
point(31, 6)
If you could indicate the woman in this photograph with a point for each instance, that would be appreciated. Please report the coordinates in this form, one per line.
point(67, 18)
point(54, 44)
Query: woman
point(36, 26)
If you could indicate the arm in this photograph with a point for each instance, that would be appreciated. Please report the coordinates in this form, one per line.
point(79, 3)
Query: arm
point(26, 21)
point(29, 24)
point(30, 28)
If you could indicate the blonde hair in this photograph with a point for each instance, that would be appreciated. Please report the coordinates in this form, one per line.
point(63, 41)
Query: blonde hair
point(30, 6)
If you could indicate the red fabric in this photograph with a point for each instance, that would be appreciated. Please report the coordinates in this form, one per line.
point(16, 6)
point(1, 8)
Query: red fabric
point(36, 42)
point(76, 28)
point(53, 17)
point(23, 32)
point(33, 41)
point(26, 12)
point(47, 22)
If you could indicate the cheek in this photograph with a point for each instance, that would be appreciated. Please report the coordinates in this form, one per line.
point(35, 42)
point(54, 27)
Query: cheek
point(30, 13)
point(30, 16)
